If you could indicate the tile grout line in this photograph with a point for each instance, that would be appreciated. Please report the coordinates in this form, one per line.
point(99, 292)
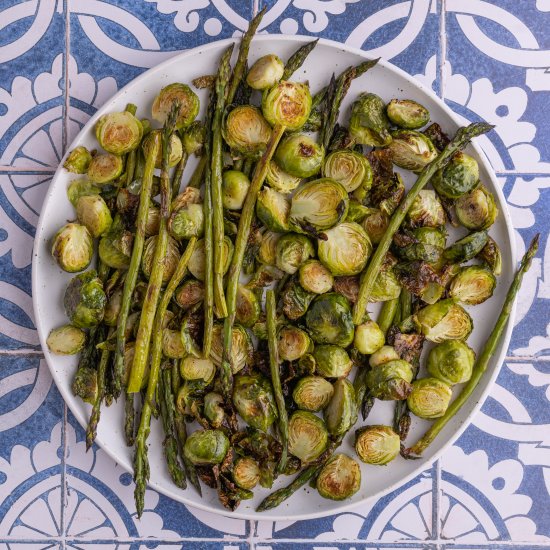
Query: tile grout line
point(255, 7)
point(66, 60)
point(437, 501)
point(63, 472)
point(442, 48)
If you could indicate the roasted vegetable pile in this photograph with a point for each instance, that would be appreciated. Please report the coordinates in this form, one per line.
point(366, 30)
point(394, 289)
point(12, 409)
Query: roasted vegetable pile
point(231, 301)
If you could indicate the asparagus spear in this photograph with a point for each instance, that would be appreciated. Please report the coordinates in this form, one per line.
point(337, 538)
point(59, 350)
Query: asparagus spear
point(181, 434)
point(387, 314)
point(178, 174)
point(274, 363)
point(197, 176)
point(296, 60)
point(129, 419)
point(484, 357)
point(91, 430)
point(461, 139)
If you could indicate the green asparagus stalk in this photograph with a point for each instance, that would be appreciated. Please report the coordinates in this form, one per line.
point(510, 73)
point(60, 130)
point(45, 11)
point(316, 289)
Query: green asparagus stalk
point(91, 430)
point(129, 419)
point(132, 155)
point(181, 434)
point(296, 60)
point(178, 174)
point(484, 357)
point(198, 174)
point(461, 139)
point(274, 363)
point(387, 314)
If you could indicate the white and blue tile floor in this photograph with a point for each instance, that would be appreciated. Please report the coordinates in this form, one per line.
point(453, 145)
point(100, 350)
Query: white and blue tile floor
point(61, 59)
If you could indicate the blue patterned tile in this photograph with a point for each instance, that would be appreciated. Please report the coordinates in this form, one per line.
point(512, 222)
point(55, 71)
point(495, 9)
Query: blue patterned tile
point(157, 545)
point(359, 545)
point(28, 545)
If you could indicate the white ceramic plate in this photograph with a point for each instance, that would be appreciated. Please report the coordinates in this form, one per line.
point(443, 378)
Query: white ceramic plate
point(49, 281)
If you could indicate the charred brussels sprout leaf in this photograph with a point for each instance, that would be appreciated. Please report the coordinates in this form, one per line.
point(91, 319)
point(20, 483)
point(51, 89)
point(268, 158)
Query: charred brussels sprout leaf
point(307, 436)
point(312, 393)
point(329, 320)
point(332, 361)
point(85, 300)
point(407, 114)
point(66, 340)
point(72, 247)
point(426, 210)
point(315, 277)
point(473, 285)
point(213, 409)
point(466, 248)
point(265, 72)
point(492, 256)
point(341, 412)
point(300, 155)
point(444, 320)
point(78, 160)
point(451, 361)
point(369, 124)
point(411, 150)
point(292, 250)
point(168, 96)
point(280, 180)
point(206, 447)
point(272, 209)
point(377, 444)
point(340, 478)
point(246, 131)
point(458, 177)
point(476, 209)
point(254, 400)
point(429, 398)
point(119, 133)
point(287, 104)
point(348, 168)
point(94, 214)
point(235, 186)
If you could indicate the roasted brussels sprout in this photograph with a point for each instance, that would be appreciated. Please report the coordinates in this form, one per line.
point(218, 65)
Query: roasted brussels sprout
point(248, 307)
point(476, 209)
point(189, 294)
point(172, 345)
point(369, 124)
point(292, 250)
point(368, 338)
point(170, 260)
point(312, 393)
point(254, 400)
point(186, 219)
point(300, 155)
point(241, 347)
point(235, 186)
point(473, 285)
point(188, 100)
point(85, 300)
point(466, 248)
point(206, 447)
point(348, 287)
point(383, 355)
point(451, 361)
point(357, 212)
point(265, 72)
point(287, 104)
point(295, 300)
point(66, 340)
point(78, 160)
point(390, 380)
point(315, 277)
point(340, 478)
point(85, 384)
point(94, 214)
point(112, 308)
point(80, 188)
point(193, 138)
point(458, 177)
point(341, 412)
point(318, 205)
point(426, 210)
point(429, 398)
point(377, 444)
point(407, 114)
point(272, 209)
point(329, 320)
point(176, 148)
point(490, 254)
point(411, 150)
point(73, 247)
point(444, 320)
point(213, 409)
point(104, 168)
point(293, 343)
point(332, 361)
point(427, 244)
point(246, 131)
point(246, 472)
point(119, 133)
point(196, 262)
point(348, 168)
point(115, 246)
point(375, 225)
point(346, 249)
point(279, 180)
point(267, 253)
point(194, 368)
point(386, 287)
point(307, 436)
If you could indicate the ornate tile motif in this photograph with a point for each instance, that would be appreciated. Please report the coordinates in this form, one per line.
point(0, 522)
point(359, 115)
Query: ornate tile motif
point(62, 59)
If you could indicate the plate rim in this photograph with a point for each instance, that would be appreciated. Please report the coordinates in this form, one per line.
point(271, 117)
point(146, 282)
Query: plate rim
point(426, 462)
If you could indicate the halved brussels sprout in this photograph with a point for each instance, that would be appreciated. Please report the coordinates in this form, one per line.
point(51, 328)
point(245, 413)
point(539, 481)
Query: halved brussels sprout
point(241, 347)
point(375, 225)
point(80, 188)
point(426, 210)
point(348, 168)
point(104, 168)
point(193, 138)
point(254, 400)
point(341, 412)
point(115, 247)
point(348, 287)
point(94, 214)
point(265, 72)
point(206, 447)
point(119, 133)
point(391, 380)
point(429, 398)
point(407, 114)
point(428, 245)
point(295, 300)
point(329, 320)
point(78, 160)
point(246, 131)
point(368, 338)
point(280, 180)
point(187, 222)
point(458, 177)
point(85, 300)
point(340, 478)
point(176, 148)
point(248, 307)
point(369, 124)
point(473, 285)
point(287, 104)
point(476, 209)
point(466, 248)
point(383, 355)
point(194, 368)
point(66, 340)
point(112, 309)
point(332, 361)
point(72, 247)
point(213, 409)
point(386, 287)
point(411, 150)
point(292, 250)
point(444, 320)
point(187, 98)
point(172, 345)
point(235, 186)
point(246, 472)
point(451, 361)
point(189, 294)
point(300, 155)
point(307, 436)
point(170, 259)
point(377, 444)
point(491, 255)
point(293, 343)
point(318, 205)
point(312, 393)
point(272, 209)
point(197, 260)
point(346, 249)
point(267, 253)
point(315, 277)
